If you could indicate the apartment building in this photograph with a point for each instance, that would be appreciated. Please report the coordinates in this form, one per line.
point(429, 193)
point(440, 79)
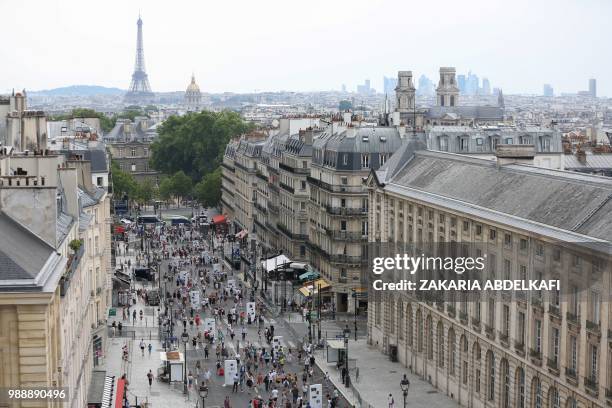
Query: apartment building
point(498, 348)
point(53, 297)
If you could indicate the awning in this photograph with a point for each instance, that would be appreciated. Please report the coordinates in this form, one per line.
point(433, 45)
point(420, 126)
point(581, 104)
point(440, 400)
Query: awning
point(310, 275)
point(120, 393)
point(271, 264)
point(219, 219)
point(308, 290)
point(118, 229)
point(97, 388)
point(335, 344)
point(242, 234)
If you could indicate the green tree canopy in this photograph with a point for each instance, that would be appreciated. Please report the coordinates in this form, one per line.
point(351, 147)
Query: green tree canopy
point(123, 182)
point(195, 143)
point(181, 184)
point(145, 191)
point(208, 191)
point(165, 189)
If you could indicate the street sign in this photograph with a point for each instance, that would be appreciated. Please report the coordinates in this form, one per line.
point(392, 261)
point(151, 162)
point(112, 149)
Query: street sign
point(112, 312)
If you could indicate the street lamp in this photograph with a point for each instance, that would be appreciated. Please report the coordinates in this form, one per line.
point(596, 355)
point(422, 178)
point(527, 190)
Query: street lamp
point(185, 338)
point(203, 394)
point(347, 333)
point(405, 384)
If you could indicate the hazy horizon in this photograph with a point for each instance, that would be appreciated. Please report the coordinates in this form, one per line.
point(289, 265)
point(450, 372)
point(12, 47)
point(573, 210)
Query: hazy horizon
point(317, 46)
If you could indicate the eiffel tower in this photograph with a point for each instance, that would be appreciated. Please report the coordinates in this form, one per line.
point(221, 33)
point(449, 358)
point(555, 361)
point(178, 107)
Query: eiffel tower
point(140, 90)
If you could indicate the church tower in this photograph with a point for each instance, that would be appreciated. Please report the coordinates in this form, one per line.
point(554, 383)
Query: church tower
point(447, 92)
point(404, 92)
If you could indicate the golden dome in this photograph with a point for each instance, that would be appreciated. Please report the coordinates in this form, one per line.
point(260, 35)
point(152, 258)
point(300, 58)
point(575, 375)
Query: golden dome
point(193, 87)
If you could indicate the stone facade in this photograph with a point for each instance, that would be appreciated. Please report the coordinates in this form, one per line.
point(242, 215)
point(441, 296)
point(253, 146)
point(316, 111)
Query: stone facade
point(500, 349)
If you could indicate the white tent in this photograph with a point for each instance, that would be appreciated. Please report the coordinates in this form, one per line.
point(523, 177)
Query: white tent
point(271, 264)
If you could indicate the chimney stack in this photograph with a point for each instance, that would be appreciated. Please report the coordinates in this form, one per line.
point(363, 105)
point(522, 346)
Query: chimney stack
point(514, 154)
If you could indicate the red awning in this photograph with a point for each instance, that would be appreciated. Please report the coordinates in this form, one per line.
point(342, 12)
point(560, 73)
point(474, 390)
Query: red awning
point(219, 219)
point(119, 229)
point(120, 393)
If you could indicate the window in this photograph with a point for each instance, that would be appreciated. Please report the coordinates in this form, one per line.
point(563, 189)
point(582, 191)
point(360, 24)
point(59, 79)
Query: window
point(520, 328)
point(452, 100)
point(146, 151)
point(506, 320)
point(505, 373)
point(554, 344)
point(491, 312)
point(507, 269)
point(537, 336)
point(479, 141)
point(523, 244)
point(537, 393)
point(464, 144)
point(593, 363)
point(99, 181)
point(508, 140)
point(344, 180)
point(343, 225)
point(303, 184)
point(302, 250)
point(539, 249)
point(595, 307)
point(133, 166)
point(492, 234)
point(365, 161)
point(508, 240)
point(479, 230)
point(444, 144)
point(383, 159)
point(573, 354)
point(520, 385)
point(466, 225)
point(491, 372)
point(133, 152)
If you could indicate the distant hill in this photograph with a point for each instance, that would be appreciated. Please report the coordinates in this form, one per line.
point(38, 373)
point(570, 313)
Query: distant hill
point(76, 90)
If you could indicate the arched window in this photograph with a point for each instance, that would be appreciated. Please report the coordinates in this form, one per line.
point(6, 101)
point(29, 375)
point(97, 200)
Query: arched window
point(452, 351)
point(520, 387)
point(440, 344)
point(463, 347)
point(430, 338)
point(571, 403)
point(401, 320)
point(505, 378)
point(490, 364)
point(452, 100)
point(554, 401)
point(476, 362)
point(536, 393)
point(409, 324)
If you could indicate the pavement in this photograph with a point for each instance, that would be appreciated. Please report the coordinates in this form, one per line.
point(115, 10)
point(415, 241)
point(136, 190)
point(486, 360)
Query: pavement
point(371, 382)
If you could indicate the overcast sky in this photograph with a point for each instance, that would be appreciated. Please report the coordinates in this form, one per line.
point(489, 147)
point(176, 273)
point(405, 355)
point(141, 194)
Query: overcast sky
point(248, 45)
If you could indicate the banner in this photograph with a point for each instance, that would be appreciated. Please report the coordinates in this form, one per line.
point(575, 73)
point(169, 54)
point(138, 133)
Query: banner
point(194, 296)
point(231, 368)
point(250, 310)
point(315, 396)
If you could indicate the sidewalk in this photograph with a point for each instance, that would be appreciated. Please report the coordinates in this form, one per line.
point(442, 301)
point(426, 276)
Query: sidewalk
point(379, 377)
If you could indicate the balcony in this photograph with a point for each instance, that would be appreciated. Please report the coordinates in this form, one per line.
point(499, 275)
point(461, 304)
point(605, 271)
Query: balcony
point(538, 307)
point(553, 365)
point(285, 230)
point(591, 385)
point(476, 324)
point(573, 321)
point(519, 346)
point(346, 211)
point(346, 235)
point(228, 179)
point(227, 166)
point(503, 338)
point(226, 203)
point(299, 170)
point(450, 310)
point(273, 187)
point(71, 267)
point(593, 327)
point(244, 168)
point(335, 188)
point(554, 312)
point(261, 176)
point(347, 259)
point(273, 208)
point(571, 376)
point(260, 208)
point(609, 395)
point(535, 356)
point(490, 332)
point(287, 188)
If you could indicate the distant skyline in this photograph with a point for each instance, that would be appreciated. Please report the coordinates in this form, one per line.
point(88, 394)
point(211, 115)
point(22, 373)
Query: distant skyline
point(273, 45)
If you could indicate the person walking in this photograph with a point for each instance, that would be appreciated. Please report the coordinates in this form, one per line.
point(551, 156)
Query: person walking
point(142, 346)
point(227, 403)
point(236, 380)
point(150, 347)
point(391, 401)
point(150, 378)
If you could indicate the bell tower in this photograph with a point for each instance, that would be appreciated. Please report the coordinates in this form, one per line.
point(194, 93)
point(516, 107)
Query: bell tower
point(447, 92)
point(404, 92)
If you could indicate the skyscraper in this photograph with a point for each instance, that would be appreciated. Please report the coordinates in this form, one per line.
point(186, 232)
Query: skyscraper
point(486, 86)
point(548, 90)
point(389, 85)
point(473, 84)
point(426, 86)
point(593, 87)
point(461, 83)
point(140, 90)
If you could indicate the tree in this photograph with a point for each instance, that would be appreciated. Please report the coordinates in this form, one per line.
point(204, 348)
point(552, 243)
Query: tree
point(123, 182)
point(165, 189)
point(181, 184)
point(106, 123)
point(145, 192)
point(208, 191)
point(195, 143)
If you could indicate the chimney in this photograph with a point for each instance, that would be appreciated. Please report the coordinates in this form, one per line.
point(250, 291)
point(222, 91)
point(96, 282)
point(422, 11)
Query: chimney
point(514, 154)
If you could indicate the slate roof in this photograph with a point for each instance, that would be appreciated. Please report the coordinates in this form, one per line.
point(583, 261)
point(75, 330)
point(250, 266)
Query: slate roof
point(475, 112)
point(566, 200)
point(64, 221)
point(593, 161)
point(22, 254)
